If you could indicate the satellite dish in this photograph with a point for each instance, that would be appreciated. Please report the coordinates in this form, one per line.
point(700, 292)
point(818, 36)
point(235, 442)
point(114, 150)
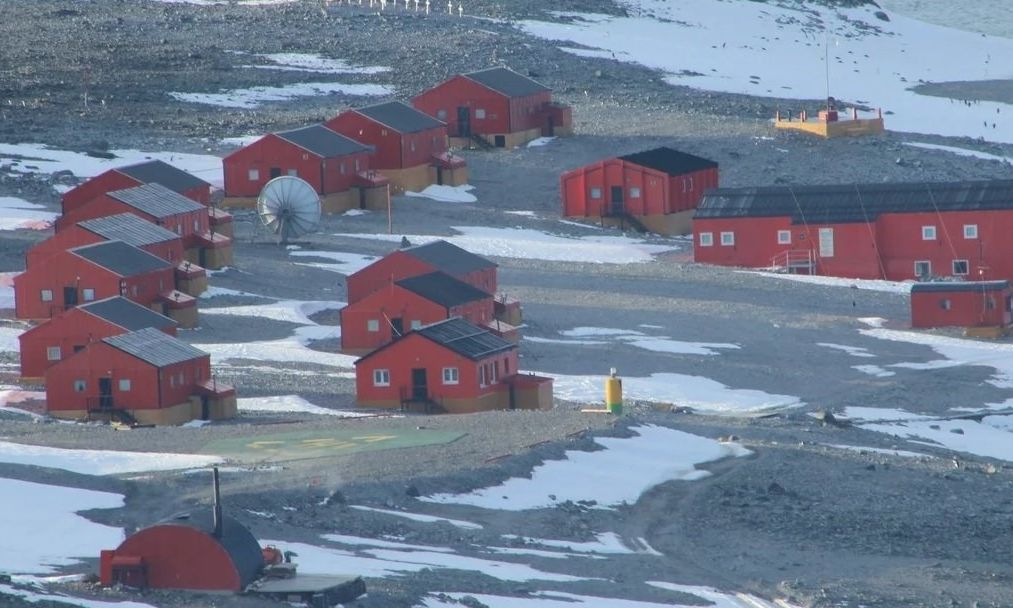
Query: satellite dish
point(289, 207)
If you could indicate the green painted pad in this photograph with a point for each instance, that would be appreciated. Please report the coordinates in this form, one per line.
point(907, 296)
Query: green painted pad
point(317, 444)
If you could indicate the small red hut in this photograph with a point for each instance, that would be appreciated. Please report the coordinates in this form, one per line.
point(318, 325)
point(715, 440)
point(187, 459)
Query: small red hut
point(961, 304)
point(148, 172)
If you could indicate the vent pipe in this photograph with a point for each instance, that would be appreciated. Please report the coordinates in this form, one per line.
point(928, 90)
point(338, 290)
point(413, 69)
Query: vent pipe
point(217, 533)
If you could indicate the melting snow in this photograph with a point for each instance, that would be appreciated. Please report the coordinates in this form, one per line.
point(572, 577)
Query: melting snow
point(99, 462)
point(293, 403)
point(466, 525)
point(960, 151)
point(346, 263)
point(305, 62)
point(854, 351)
point(255, 96)
point(19, 214)
point(446, 194)
point(868, 284)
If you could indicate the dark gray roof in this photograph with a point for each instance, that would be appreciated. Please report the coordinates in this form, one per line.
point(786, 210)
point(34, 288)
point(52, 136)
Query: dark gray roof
point(507, 82)
point(158, 172)
point(125, 260)
point(400, 117)
point(156, 200)
point(451, 259)
point(236, 539)
point(129, 228)
point(465, 339)
point(855, 202)
point(670, 161)
point(951, 286)
point(323, 142)
point(155, 347)
point(442, 289)
point(129, 315)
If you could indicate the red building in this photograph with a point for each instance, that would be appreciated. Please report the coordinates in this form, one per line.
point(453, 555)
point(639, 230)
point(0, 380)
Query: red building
point(410, 303)
point(451, 366)
point(95, 272)
point(337, 167)
point(71, 330)
point(498, 105)
point(658, 189)
point(410, 146)
point(872, 231)
point(146, 375)
point(961, 304)
point(160, 205)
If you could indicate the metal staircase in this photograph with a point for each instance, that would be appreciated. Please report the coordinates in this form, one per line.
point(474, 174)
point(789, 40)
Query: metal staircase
point(794, 261)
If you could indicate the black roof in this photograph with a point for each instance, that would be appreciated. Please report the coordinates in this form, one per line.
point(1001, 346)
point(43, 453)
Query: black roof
point(129, 315)
point(156, 200)
point(129, 228)
point(400, 117)
point(507, 82)
point(464, 338)
point(125, 260)
point(951, 286)
point(442, 289)
point(323, 142)
point(158, 172)
point(155, 347)
point(235, 538)
point(670, 161)
point(854, 202)
point(449, 258)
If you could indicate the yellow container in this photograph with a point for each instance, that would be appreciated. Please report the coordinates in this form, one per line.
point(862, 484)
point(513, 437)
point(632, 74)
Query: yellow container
point(614, 395)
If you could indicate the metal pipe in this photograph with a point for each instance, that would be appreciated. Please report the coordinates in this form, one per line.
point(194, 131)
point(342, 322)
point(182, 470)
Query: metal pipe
point(217, 533)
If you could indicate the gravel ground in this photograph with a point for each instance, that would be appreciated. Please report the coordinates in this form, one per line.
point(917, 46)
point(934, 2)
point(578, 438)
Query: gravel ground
point(798, 519)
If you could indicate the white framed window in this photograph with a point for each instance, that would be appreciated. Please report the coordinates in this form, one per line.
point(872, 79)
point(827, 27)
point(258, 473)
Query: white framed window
point(970, 231)
point(479, 113)
point(381, 377)
point(88, 294)
point(784, 237)
point(706, 239)
point(411, 145)
point(960, 267)
point(253, 175)
point(46, 295)
point(383, 132)
point(727, 239)
point(196, 225)
point(481, 375)
point(80, 386)
point(341, 168)
point(52, 353)
point(125, 385)
point(495, 371)
point(441, 114)
point(923, 268)
point(944, 304)
point(293, 173)
point(415, 324)
point(634, 192)
point(928, 233)
point(595, 192)
point(372, 325)
point(687, 184)
point(451, 375)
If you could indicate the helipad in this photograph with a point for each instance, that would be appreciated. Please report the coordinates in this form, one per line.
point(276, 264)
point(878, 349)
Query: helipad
point(317, 444)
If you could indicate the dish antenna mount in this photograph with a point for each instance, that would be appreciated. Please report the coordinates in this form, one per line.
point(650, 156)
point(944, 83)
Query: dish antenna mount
point(289, 207)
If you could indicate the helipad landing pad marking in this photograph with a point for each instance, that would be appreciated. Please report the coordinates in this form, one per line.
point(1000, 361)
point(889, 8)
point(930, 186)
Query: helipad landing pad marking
point(317, 444)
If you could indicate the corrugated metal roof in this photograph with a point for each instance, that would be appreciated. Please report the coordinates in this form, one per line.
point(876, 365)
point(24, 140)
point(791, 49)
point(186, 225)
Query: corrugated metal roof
point(855, 202)
point(951, 286)
point(155, 347)
point(127, 314)
point(129, 228)
point(465, 339)
point(322, 141)
point(400, 117)
point(125, 260)
point(449, 258)
point(442, 289)
point(156, 200)
point(507, 82)
point(236, 539)
point(670, 161)
point(158, 172)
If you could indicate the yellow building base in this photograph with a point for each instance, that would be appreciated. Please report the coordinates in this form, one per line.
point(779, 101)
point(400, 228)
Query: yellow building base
point(186, 317)
point(239, 202)
point(838, 128)
point(193, 286)
point(988, 333)
point(340, 202)
point(667, 224)
point(449, 177)
point(375, 199)
point(414, 178)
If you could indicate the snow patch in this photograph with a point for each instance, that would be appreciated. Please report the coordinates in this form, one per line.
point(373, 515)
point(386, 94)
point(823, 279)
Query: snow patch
point(255, 96)
point(446, 194)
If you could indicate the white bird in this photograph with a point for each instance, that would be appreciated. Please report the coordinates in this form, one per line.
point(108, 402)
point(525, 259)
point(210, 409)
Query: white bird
point(460, 9)
point(450, 7)
point(427, 7)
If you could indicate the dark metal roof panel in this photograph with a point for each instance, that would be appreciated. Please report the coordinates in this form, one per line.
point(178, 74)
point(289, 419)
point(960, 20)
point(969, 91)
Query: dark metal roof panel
point(158, 172)
point(449, 258)
point(323, 142)
point(156, 200)
point(121, 258)
point(400, 117)
point(155, 347)
point(951, 286)
point(442, 289)
point(236, 539)
point(127, 314)
point(669, 161)
point(465, 339)
point(507, 82)
point(129, 228)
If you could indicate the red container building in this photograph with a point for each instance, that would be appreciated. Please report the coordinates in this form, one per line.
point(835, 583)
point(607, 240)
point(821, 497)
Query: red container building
point(656, 189)
point(148, 172)
point(961, 304)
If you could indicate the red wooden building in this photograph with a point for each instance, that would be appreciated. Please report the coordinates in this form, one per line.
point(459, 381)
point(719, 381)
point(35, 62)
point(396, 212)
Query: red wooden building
point(961, 304)
point(160, 205)
point(337, 167)
point(95, 272)
point(658, 189)
point(451, 366)
point(191, 279)
point(407, 304)
point(410, 146)
point(71, 330)
point(146, 375)
point(872, 231)
point(499, 105)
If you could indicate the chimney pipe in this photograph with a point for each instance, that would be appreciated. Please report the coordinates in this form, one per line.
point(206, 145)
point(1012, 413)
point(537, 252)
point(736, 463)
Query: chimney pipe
point(217, 533)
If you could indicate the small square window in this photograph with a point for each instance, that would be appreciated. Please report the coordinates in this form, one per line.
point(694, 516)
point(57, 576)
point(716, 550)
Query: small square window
point(479, 113)
point(53, 353)
point(80, 386)
point(706, 239)
point(293, 173)
point(928, 233)
point(959, 267)
point(381, 377)
point(125, 384)
point(441, 114)
point(383, 132)
point(595, 192)
point(784, 237)
point(923, 269)
point(727, 239)
point(46, 295)
point(411, 145)
point(634, 192)
point(88, 294)
point(451, 375)
point(989, 303)
point(416, 324)
point(372, 325)
point(254, 175)
point(196, 225)
point(970, 231)
point(944, 304)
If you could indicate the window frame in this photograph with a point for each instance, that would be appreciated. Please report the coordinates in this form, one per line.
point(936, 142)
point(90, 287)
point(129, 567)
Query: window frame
point(929, 233)
point(49, 353)
point(46, 295)
point(730, 240)
point(965, 263)
point(634, 192)
point(80, 385)
point(479, 113)
point(372, 325)
point(381, 377)
point(595, 193)
point(784, 237)
point(970, 231)
point(928, 266)
point(87, 294)
point(253, 175)
point(706, 239)
point(451, 375)
point(124, 382)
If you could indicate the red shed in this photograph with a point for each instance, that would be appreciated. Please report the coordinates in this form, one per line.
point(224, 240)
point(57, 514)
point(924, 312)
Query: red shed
point(148, 172)
point(497, 104)
point(147, 375)
point(961, 304)
point(423, 259)
point(71, 330)
point(451, 366)
point(409, 304)
point(658, 189)
point(328, 161)
point(410, 146)
point(873, 231)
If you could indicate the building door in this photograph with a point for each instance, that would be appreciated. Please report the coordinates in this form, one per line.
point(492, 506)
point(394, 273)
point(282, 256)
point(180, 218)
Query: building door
point(550, 131)
point(105, 393)
point(420, 389)
point(439, 175)
point(397, 325)
point(202, 257)
point(275, 172)
point(499, 141)
point(205, 408)
point(616, 199)
point(463, 122)
point(826, 242)
point(70, 297)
